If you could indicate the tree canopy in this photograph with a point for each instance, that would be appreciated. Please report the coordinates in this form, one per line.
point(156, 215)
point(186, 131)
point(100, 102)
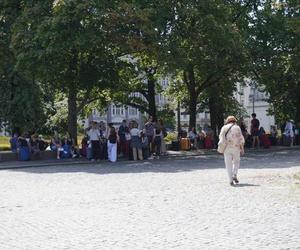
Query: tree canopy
point(98, 51)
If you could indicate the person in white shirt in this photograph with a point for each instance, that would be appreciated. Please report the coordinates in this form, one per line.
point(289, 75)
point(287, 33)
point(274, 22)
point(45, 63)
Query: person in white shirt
point(136, 142)
point(94, 136)
point(289, 131)
point(232, 135)
point(192, 135)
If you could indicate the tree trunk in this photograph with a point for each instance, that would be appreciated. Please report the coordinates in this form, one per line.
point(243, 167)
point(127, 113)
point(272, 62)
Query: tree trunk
point(213, 114)
point(193, 96)
point(192, 110)
point(178, 120)
point(151, 97)
point(297, 118)
point(72, 113)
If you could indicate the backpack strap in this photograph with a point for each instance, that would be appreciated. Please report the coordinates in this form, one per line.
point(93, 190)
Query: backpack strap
point(229, 130)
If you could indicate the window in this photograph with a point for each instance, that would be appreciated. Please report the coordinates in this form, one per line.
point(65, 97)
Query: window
point(117, 110)
point(132, 111)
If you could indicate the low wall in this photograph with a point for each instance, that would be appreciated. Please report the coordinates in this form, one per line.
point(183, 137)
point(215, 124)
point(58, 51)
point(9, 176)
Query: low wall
point(11, 156)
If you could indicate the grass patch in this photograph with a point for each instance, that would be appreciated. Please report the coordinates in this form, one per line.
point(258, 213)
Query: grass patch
point(4, 141)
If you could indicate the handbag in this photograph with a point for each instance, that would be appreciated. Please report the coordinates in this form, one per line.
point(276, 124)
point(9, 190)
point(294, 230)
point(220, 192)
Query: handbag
point(222, 144)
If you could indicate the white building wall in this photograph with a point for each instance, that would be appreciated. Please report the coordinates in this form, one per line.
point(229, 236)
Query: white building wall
point(245, 95)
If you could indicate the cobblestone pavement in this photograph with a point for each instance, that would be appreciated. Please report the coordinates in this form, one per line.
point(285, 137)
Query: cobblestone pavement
point(183, 203)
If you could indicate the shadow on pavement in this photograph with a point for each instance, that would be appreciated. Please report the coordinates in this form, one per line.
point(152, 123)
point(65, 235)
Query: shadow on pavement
point(170, 164)
point(246, 185)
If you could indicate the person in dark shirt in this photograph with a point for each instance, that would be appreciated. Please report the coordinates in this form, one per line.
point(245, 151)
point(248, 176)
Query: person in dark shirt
point(122, 132)
point(255, 130)
point(14, 143)
point(112, 141)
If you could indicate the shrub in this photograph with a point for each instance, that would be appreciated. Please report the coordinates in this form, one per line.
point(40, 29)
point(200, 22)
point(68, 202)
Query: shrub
point(170, 137)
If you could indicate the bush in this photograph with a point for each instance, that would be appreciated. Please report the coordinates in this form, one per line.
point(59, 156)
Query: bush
point(170, 137)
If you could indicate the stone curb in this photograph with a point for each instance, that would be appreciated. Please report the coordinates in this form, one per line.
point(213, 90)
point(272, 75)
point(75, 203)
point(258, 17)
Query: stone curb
point(171, 154)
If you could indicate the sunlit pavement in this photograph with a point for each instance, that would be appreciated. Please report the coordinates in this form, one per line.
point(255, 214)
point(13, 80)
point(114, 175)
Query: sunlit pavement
point(173, 203)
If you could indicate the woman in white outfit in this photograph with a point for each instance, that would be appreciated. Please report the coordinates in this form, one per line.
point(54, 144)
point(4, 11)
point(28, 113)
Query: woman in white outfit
point(232, 135)
point(112, 141)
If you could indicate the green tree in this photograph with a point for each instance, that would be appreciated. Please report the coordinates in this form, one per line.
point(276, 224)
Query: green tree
point(274, 48)
point(22, 99)
point(205, 46)
point(70, 50)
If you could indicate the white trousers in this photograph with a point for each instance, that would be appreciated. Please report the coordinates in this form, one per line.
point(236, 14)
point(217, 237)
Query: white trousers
point(163, 147)
point(232, 158)
point(112, 151)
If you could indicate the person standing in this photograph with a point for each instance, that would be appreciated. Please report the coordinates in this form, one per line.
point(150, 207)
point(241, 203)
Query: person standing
point(289, 132)
point(112, 141)
point(122, 136)
point(255, 130)
point(149, 131)
point(232, 136)
point(160, 125)
point(157, 141)
point(94, 136)
point(145, 145)
point(103, 140)
point(136, 142)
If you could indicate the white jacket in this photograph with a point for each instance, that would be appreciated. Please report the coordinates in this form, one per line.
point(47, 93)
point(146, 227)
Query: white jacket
point(234, 138)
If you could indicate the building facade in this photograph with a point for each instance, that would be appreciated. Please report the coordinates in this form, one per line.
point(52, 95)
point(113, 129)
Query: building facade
point(254, 101)
point(248, 95)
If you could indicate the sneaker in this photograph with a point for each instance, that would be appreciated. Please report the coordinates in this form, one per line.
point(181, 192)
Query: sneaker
point(231, 184)
point(235, 180)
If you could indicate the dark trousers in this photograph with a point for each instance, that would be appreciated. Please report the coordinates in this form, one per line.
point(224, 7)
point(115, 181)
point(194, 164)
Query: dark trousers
point(151, 146)
point(96, 150)
point(123, 147)
point(157, 143)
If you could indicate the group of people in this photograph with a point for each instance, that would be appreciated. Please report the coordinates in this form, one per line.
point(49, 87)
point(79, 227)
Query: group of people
point(101, 142)
point(27, 144)
point(259, 138)
point(204, 139)
point(232, 139)
point(64, 147)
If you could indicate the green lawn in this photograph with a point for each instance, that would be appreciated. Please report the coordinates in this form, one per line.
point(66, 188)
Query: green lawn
point(4, 143)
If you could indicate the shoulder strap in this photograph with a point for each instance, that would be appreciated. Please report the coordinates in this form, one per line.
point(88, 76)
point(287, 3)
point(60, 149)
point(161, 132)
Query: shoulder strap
point(229, 130)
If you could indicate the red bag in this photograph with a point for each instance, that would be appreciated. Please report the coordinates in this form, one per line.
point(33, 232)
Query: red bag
point(265, 141)
point(208, 143)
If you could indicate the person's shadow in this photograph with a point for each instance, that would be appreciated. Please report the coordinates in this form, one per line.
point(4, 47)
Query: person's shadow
point(246, 185)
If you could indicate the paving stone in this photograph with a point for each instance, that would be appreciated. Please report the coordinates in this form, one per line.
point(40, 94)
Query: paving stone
point(174, 203)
